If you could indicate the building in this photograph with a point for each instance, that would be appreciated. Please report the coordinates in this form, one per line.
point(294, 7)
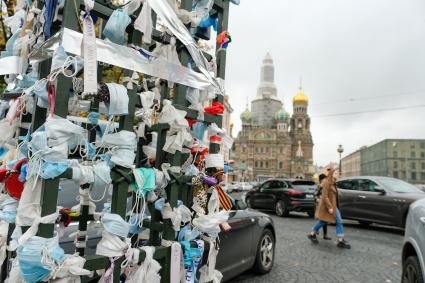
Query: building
point(350, 164)
point(399, 158)
point(272, 143)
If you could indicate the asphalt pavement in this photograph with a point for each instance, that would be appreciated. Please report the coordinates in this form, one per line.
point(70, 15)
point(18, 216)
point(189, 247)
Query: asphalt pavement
point(375, 255)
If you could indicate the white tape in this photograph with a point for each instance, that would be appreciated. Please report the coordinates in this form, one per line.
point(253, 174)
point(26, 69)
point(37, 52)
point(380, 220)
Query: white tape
point(10, 65)
point(215, 160)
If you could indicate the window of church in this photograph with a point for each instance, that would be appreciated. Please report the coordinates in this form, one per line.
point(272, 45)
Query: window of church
point(267, 164)
point(261, 164)
point(256, 164)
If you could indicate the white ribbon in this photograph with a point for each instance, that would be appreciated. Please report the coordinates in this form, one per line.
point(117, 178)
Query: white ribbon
point(89, 51)
point(208, 271)
point(143, 23)
point(134, 79)
point(10, 65)
point(178, 215)
point(4, 228)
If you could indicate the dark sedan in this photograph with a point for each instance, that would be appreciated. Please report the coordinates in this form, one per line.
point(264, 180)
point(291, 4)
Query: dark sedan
point(380, 200)
point(283, 196)
point(249, 244)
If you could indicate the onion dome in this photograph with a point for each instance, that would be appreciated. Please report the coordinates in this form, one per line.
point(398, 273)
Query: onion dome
point(300, 97)
point(281, 116)
point(246, 116)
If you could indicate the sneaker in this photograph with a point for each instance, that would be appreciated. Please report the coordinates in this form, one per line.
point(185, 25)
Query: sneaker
point(343, 244)
point(313, 238)
point(327, 238)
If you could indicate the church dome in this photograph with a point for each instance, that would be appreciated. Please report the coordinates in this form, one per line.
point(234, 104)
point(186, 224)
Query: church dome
point(246, 116)
point(300, 97)
point(281, 115)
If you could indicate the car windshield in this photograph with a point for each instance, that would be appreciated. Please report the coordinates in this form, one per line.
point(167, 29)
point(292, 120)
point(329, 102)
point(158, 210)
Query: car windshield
point(399, 186)
point(303, 183)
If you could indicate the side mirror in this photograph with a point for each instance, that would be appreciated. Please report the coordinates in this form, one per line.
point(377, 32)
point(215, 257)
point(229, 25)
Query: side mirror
point(380, 190)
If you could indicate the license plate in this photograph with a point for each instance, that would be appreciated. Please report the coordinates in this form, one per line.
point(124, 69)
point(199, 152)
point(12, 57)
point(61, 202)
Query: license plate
point(309, 196)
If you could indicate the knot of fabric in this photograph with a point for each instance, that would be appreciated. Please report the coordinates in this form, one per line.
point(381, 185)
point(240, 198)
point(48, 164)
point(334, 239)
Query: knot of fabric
point(112, 246)
point(133, 80)
point(178, 215)
point(70, 269)
point(148, 271)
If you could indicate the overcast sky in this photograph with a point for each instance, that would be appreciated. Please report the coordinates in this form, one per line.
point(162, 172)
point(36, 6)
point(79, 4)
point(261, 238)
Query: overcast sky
point(372, 51)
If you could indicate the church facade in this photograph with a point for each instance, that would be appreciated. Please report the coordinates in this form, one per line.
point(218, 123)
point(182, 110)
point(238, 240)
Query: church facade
point(272, 143)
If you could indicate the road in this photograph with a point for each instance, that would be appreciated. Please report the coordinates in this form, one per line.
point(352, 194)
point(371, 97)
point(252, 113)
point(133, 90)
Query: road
point(374, 256)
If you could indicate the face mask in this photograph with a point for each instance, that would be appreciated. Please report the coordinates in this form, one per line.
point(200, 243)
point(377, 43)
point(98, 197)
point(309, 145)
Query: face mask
point(102, 175)
point(8, 209)
point(148, 270)
point(118, 99)
point(35, 253)
point(144, 180)
point(114, 224)
point(111, 245)
point(52, 170)
point(59, 58)
point(60, 130)
point(26, 82)
point(10, 43)
point(115, 27)
point(4, 105)
point(198, 130)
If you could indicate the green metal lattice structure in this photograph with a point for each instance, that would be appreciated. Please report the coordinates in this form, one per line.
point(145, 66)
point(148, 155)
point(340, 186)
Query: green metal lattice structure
point(178, 189)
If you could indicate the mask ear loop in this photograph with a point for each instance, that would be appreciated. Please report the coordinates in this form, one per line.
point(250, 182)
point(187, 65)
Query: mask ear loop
point(104, 190)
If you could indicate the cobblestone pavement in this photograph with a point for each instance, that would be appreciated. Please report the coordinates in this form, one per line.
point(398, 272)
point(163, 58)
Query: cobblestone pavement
point(374, 256)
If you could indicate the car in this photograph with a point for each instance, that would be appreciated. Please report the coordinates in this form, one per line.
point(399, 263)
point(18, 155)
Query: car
point(413, 252)
point(251, 234)
point(283, 196)
point(375, 199)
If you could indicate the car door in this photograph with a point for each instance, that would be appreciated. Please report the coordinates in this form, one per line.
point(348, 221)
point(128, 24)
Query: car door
point(346, 197)
point(235, 254)
point(271, 194)
point(375, 206)
point(259, 198)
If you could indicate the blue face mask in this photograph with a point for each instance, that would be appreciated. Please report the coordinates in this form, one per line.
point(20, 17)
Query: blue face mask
point(51, 170)
point(8, 209)
point(29, 257)
point(114, 224)
point(3, 152)
point(42, 100)
point(144, 180)
point(135, 228)
point(208, 22)
point(116, 25)
point(26, 82)
point(198, 130)
point(102, 175)
point(9, 44)
point(39, 140)
point(59, 58)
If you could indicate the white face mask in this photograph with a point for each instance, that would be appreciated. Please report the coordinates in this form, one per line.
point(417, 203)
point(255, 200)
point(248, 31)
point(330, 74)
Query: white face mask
point(118, 99)
point(147, 272)
point(60, 130)
point(112, 246)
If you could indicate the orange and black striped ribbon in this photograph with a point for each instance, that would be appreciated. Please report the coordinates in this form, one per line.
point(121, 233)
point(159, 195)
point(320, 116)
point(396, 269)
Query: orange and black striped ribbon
point(225, 202)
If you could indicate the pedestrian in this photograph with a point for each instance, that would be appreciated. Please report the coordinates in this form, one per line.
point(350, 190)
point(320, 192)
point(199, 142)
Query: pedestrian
point(328, 212)
point(317, 196)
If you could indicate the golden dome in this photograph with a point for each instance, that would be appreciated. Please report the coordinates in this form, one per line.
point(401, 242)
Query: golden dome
point(300, 97)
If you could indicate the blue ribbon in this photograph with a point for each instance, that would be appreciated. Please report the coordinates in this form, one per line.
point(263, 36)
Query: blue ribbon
point(49, 13)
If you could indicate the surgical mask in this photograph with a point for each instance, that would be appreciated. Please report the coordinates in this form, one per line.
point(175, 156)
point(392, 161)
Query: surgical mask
point(10, 43)
point(60, 130)
point(118, 99)
point(111, 245)
point(115, 27)
point(34, 256)
point(8, 209)
point(59, 58)
point(198, 130)
point(114, 224)
point(4, 105)
point(51, 170)
point(102, 175)
point(144, 180)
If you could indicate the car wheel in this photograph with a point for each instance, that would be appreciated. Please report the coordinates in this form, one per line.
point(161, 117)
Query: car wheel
point(281, 208)
point(248, 202)
point(412, 272)
point(265, 253)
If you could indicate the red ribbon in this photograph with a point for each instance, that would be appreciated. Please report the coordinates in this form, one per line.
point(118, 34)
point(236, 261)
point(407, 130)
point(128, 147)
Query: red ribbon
point(215, 109)
point(51, 98)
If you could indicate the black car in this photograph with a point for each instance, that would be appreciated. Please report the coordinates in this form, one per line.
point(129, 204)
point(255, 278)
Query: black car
point(283, 196)
point(373, 199)
point(249, 244)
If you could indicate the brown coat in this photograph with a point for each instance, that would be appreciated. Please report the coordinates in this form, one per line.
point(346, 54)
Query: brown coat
point(327, 201)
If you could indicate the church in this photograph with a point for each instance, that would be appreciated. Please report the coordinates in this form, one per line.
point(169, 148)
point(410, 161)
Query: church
point(272, 143)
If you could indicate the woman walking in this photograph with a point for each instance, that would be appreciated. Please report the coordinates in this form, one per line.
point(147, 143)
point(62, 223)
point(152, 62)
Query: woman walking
point(328, 212)
point(317, 196)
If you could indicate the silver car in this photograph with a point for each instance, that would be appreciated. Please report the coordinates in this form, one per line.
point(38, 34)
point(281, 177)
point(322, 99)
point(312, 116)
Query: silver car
point(413, 254)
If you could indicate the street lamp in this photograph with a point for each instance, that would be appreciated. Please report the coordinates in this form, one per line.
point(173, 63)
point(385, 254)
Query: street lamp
point(340, 151)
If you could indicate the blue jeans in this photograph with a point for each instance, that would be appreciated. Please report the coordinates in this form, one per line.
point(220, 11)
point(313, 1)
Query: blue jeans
point(339, 226)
